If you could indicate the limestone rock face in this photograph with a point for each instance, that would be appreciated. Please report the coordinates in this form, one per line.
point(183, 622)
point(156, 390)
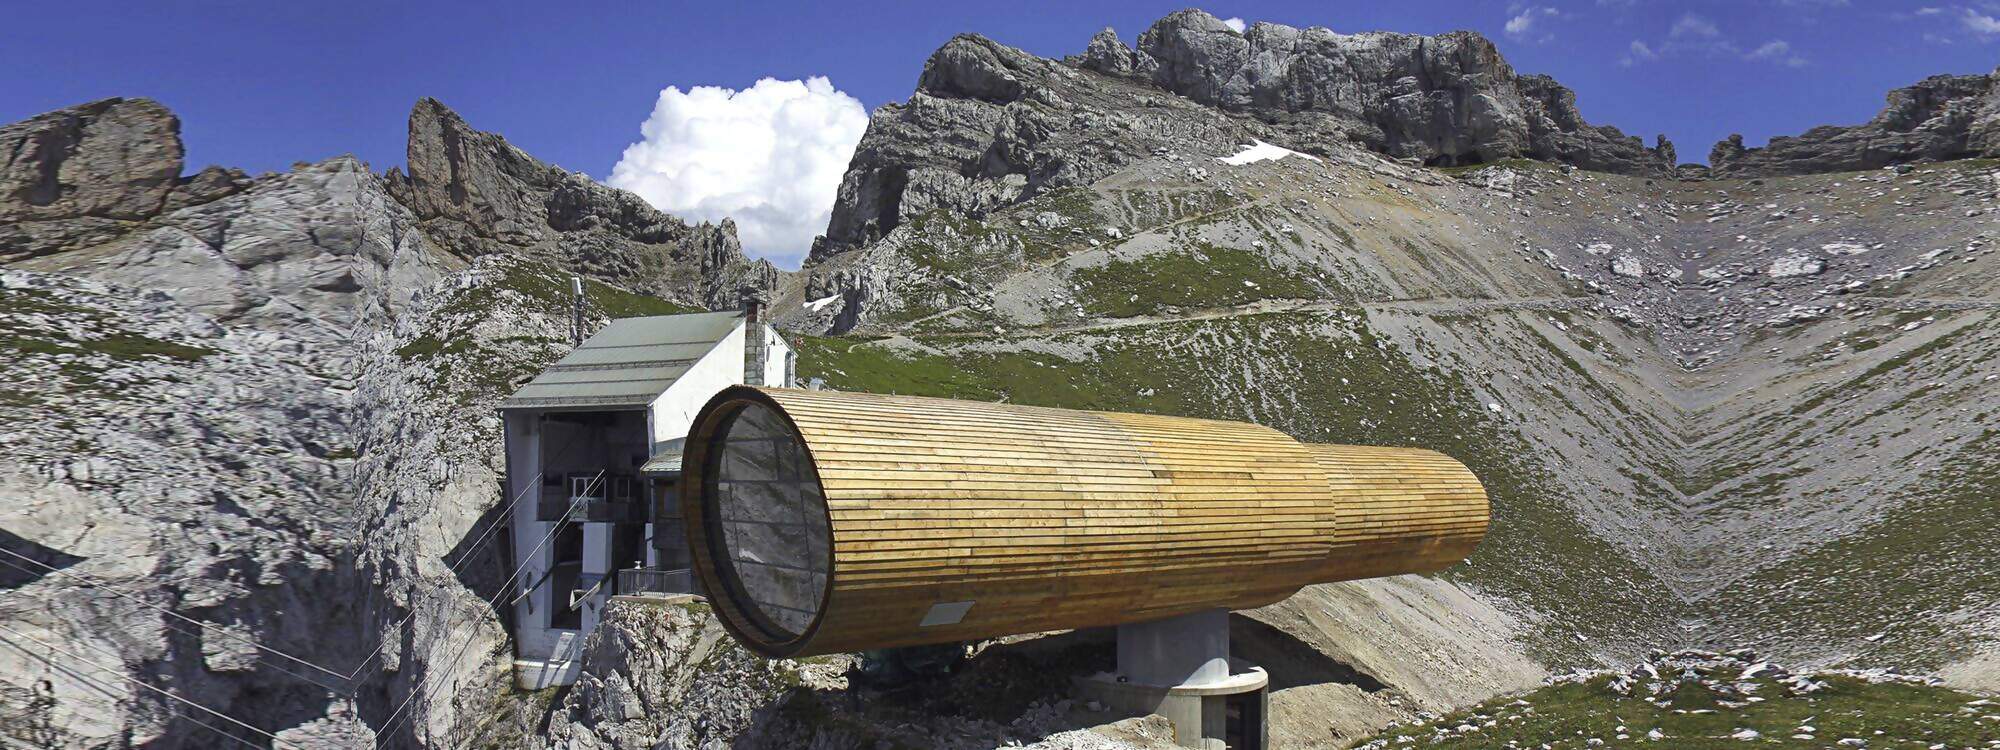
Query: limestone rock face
point(667, 675)
point(262, 412)
point(112, 158)
point(1937, 119)
point(1447, 99)
point(1108, 54)
point(990, 125)
point(88, 173)
point(477, 194)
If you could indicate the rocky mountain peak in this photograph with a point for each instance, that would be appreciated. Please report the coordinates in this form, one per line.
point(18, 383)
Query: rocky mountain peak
point(1936, 119)
point(972, 66)
point(990, 125)
point(477, 194)
point(1449, 99)
point(115, 158)
point(1108, 54)
point(82, 174)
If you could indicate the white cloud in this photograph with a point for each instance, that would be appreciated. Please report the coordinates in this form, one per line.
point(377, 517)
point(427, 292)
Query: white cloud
point(1235, 23)
point(1929, 11)
point(1526, 24)
point(1979, 23)
point(1693, 34)
point(1638, 52)
point(770, 156)
point(1777, 51)
point(1691, 26)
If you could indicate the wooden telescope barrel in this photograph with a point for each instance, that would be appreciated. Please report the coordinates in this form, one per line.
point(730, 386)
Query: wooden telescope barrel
point(824, 522)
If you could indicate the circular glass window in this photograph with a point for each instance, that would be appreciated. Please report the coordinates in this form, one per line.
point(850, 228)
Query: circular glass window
point(768, 522)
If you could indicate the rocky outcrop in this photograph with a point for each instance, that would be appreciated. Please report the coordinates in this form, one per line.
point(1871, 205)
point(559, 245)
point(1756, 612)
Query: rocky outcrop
point(667, 675)
point(476, 194)
point(89, 173)
point(1938, 119)
point(990, 125)
point(1449, 99)
point(261, 412)
point(1108, 54)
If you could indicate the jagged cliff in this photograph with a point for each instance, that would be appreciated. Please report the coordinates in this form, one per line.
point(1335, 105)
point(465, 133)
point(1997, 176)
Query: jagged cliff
point(990, 125)
point(246, 424)
point(1941, 118)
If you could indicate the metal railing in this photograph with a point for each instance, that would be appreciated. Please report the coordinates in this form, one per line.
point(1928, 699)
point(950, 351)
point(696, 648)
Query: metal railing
point(556, 502)
point(633, 581)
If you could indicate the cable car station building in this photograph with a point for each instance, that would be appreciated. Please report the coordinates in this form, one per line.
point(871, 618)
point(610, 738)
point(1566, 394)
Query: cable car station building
point(593, 458)
point(670, 454)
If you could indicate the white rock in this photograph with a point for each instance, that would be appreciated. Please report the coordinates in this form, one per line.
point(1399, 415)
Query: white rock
point(1628, 266)
point(1795, 265)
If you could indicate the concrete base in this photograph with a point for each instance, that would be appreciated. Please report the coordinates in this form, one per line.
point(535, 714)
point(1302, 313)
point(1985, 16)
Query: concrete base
point(1202, 715)
point(533, 674)
point(659, 598)
point(1180, 669)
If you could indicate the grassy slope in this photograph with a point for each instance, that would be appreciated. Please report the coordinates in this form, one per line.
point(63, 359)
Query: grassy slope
point(1323, 377)
point(1574, 715)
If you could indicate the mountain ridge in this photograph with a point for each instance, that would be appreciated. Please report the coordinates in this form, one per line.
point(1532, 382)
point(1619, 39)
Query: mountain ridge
point(1725, 411)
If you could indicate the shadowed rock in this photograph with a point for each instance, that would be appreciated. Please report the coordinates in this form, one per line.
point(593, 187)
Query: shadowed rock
point(1938, 119)
point(990, 125)
point(476, 194)
point(87, 173)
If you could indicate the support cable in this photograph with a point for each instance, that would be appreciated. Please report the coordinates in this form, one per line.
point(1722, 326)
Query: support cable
point(135, 681)
point(100, 585)
point(396, 718)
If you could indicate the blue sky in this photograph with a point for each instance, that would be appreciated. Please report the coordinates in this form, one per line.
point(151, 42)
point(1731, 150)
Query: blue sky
point(260, 85)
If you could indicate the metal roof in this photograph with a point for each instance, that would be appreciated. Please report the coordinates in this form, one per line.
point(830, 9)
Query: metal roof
point(666, 458)
point(628, 364)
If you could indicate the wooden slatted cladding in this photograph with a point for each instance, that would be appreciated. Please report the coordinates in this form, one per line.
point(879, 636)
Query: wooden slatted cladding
point(1400, 510)
point(956, 520)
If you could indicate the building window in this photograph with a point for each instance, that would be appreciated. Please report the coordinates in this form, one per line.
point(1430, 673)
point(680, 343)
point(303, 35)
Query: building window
point(771, 535)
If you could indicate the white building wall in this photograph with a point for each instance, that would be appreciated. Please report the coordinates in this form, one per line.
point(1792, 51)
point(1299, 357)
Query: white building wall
point(774, 362)
point(524, 470)
point(596, 562)
point(721, 367)
point(669, 417)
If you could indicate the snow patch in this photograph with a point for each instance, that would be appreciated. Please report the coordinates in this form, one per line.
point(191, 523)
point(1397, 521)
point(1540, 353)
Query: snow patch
point(821, 303)
point(1260, 151)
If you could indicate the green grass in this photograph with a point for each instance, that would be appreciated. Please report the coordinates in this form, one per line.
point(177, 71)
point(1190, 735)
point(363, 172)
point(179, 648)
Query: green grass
point(1323, 377)
point(1941, 539)
point(613, 302)
point(1571, 715)
point(117, 346)
point(1201, 277)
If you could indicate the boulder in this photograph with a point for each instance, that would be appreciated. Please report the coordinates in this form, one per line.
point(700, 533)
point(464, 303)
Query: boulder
point(111, 159)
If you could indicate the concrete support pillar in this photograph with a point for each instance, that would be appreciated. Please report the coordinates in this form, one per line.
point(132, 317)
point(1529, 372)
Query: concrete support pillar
point(1185, 650)
point(597, 567)
point(1179, 668)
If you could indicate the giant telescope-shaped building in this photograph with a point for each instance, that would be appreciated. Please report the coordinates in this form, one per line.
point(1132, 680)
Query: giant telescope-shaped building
point(825, 522)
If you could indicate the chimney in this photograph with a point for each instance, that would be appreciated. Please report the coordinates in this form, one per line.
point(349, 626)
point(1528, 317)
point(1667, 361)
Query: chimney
point(576, 311)
point(755, 348)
